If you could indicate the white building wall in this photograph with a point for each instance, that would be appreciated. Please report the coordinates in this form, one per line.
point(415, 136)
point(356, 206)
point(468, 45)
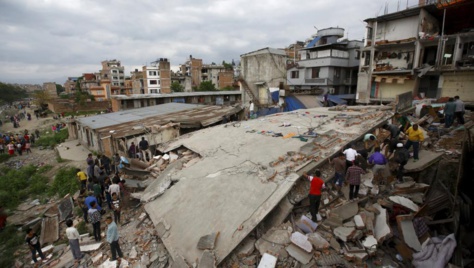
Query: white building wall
point(397, 29)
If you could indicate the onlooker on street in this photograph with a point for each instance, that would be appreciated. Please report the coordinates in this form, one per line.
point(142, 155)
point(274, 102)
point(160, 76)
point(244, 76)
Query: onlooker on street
point(449, 110)
point(460, 110)
point(251, 110)
point(113, 240)
point(353, 177)
point(316, 185)
point(94, 219)
point(380, 164)
point(339, 163)
point(132, 150)
point(81, 175)
point(73, 236)
point(32, 239)
point(401, 157)
point(105, 161)
point(415, 136)
point(143, 144)
point(81, 202)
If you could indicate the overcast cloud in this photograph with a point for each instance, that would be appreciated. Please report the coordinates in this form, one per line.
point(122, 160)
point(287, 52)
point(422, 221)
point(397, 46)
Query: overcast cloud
point(49, 40)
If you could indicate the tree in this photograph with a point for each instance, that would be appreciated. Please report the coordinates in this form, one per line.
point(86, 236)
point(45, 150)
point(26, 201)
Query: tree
point(41, 98)
point(10, 93)
point(227, 66)
point(206, 86)
point(59, 89)
point(176, 87)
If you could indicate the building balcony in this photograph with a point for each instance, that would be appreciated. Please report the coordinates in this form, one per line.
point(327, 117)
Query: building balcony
point(316, 81)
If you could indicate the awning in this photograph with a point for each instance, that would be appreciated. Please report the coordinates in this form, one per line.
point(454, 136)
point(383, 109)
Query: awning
point(312, 43)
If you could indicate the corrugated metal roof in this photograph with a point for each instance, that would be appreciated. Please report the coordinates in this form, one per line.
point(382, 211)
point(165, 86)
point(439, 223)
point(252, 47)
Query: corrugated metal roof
point(176, 95)
point(128, 116)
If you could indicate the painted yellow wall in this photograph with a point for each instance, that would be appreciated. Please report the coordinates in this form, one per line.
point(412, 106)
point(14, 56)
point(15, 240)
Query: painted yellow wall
point(391, 90)
point(459, 84)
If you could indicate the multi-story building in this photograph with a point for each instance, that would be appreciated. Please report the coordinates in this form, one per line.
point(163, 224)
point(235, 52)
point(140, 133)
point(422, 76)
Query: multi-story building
point(157, 77)
point(292, 51)
point(326, 64)
point(136, 78)
point(219, 75)
point(427, 50)
point(113, 71)
point(70, 85)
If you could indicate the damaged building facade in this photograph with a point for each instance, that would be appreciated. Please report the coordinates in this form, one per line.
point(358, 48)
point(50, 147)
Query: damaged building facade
point(112, 133)
point(427, 50)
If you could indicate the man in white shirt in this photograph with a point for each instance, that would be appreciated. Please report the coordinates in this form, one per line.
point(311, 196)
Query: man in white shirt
point(460, 110)
point(351, 155)
point(73, 236)
point(251, 109)
point(114, 188)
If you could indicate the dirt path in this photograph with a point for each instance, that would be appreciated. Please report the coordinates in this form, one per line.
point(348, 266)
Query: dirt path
point(32, 125)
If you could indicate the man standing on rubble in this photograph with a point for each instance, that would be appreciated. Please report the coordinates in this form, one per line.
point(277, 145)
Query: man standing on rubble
point(351, 155)
point(339, 163)
point(449, 111)
point(460, 110)
point(415, 136)
point(113, 239)
point(143, 144)
point(316, 185)
point(353, 177)
point(404, 122)
point(94, 219)
point(380, 163)
point(394, 130)
point(401, 157)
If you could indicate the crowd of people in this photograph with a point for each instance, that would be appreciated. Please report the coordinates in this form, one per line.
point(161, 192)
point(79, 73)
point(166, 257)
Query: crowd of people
point(19, 143)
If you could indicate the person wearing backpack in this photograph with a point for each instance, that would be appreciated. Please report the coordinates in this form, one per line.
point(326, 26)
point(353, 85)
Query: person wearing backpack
point(401, 157)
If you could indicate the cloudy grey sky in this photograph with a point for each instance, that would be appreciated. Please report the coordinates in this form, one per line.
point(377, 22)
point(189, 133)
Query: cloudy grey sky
point(49, 40)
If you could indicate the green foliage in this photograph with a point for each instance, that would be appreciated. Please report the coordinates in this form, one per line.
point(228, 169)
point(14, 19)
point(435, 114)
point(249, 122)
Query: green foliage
point(52, 139)
point(10, 93)
point(82, 227)
point(4, 157)
point(177, 87)
point(44, 169)
point(227, 66)
point(18, 185)
point(41, 98)
point(11, 242)
point(59, 89)
point(65, 182)
point(228, 88)
point(206, 86)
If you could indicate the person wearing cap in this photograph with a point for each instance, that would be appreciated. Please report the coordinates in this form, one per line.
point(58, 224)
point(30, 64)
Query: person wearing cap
point(415, 136)
point(401, 157)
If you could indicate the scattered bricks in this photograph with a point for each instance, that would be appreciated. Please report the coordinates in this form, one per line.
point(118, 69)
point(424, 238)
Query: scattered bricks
point(329, 260)
point(318, 241)
point(208, 241)
point(301, 241)
point(358, 258)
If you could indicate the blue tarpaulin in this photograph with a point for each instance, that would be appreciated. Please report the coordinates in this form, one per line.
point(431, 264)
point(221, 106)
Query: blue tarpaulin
point(292, 104)
point(275, 95)
point(336, 99)
point(312, 43)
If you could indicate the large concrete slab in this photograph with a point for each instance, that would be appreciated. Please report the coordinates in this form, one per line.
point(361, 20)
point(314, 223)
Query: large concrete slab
point(49, 230)
point(243, 174)
point(427, 158)
point(72, 150)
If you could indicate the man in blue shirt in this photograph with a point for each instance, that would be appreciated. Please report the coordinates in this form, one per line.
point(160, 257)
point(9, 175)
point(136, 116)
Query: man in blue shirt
point(113, 239)
point(91, 198)
point(380, 163)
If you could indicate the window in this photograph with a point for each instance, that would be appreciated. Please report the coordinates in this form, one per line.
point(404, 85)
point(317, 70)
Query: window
point(152, 73)
point(337, 72)
point(357, 54)
point(115, 77)
point(114, 71)
point(370, 33)
point(295, 74)
point(315, 72)
point(153, 82)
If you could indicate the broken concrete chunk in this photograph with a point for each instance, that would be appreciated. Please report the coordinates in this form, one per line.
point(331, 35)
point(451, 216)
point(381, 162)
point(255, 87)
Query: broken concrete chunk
point(359, 258)
point(318, 241)
point(403, 201)
point(405, 185)
point(133, 253)
point(306, 225)
point(382, 228)
point(301, 241)
point(208, 260)
point(333, 221)
point(162, 228)
point(344, 233)
point(299, 254)
point(405, 225)
point(246, 248)
point(208, 241)
point(334, 244)
point(273, 242)
point(267, 261)
point(370, 242)
point(346, 211)
point(329, 260)
point(359, 223)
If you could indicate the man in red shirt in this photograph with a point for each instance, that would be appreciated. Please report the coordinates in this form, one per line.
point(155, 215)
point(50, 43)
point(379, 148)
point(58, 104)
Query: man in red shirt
point(314, 193)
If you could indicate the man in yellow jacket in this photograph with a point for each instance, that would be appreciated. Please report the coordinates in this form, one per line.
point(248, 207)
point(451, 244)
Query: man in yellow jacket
point(415, 136)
